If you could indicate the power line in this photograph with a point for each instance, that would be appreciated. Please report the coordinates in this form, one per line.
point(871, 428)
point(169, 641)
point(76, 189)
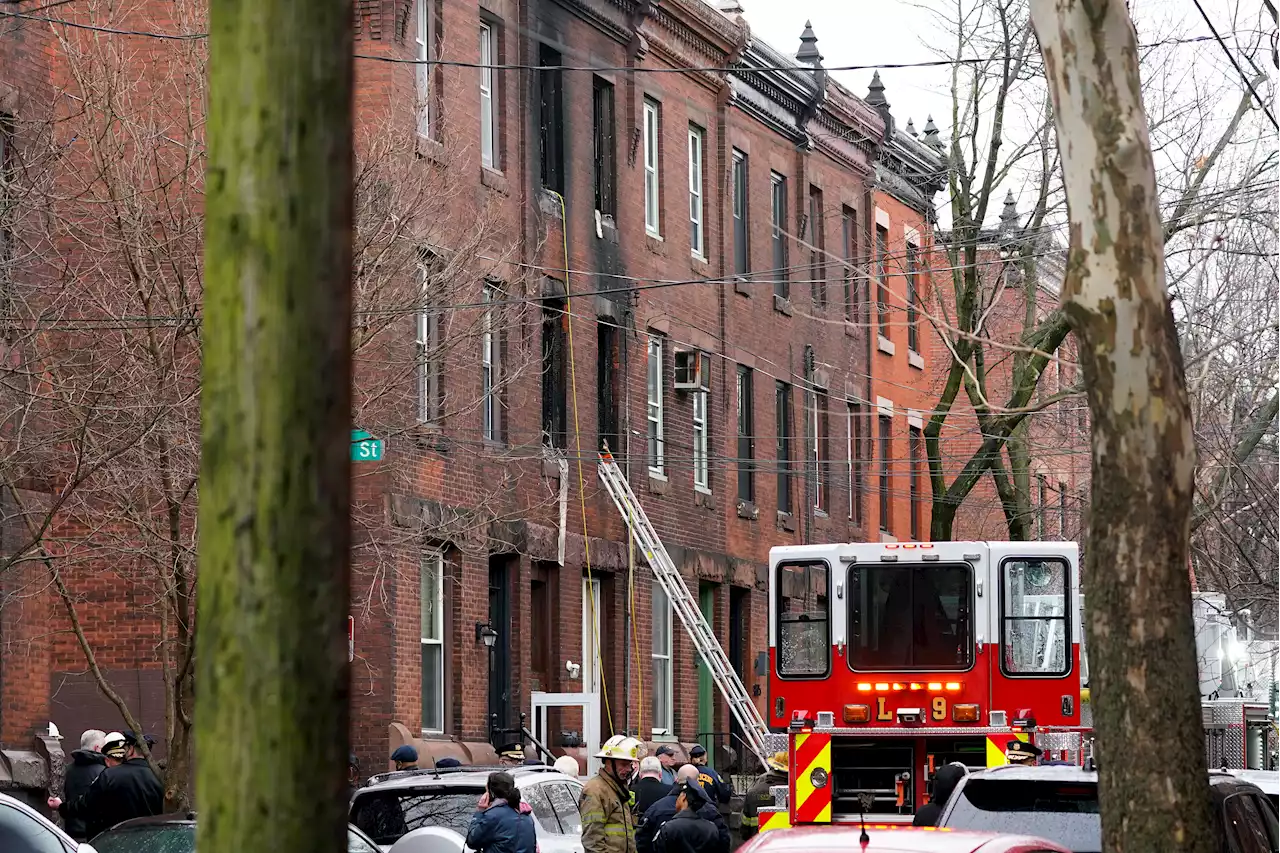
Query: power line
point(1239, 70)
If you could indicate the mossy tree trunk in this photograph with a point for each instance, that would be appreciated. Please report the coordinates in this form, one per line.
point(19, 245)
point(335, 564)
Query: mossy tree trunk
point(1152, 775)
point(271, 721)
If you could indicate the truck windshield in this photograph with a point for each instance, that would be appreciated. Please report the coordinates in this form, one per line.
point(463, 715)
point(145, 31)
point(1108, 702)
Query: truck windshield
point(911, 616)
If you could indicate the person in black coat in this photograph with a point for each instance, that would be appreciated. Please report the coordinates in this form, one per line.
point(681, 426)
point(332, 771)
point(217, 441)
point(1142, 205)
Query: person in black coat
point(688, 831)
point(119, 793)
point(944, 784)
point(86, 763)
point(665, 809)
point(649, 788)
point(718, 790)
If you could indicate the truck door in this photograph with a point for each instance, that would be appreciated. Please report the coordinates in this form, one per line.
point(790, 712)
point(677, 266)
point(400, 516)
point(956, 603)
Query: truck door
point(1037, 631)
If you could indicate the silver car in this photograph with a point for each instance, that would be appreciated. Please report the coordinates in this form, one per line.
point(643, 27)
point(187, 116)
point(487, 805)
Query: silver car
point(23, 828)
point(395, 806)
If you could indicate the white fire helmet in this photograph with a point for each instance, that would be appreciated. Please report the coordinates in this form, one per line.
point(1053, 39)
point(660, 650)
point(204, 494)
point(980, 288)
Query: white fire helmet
point(622, 748)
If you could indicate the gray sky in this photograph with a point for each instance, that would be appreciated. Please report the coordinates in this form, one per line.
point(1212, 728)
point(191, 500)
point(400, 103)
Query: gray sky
point(876, 32)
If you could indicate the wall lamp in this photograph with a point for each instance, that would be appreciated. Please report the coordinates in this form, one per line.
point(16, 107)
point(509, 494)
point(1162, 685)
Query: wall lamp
point(485, 634)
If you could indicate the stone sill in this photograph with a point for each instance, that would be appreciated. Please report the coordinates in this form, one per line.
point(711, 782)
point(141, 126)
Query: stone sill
point(885, 345)
point(915, 359)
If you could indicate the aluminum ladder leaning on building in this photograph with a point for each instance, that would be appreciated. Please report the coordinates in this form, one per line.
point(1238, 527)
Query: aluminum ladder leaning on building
point(686, 607)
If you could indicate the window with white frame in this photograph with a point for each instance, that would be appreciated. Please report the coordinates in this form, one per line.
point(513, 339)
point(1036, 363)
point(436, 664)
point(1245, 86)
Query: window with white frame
point(701, 433)
point(657, 452)
point(697, 233)
point(652, 189)
point(430, 369)
point(432, 625)
point(422, 55)
point(489, 364)
point(661, 655)
point(488, 113)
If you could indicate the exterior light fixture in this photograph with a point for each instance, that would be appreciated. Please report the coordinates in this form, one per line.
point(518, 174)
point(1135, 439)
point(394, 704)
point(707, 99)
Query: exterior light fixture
point(485, 634)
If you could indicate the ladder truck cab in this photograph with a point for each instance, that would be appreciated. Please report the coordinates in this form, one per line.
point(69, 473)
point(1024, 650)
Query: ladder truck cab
point(889, 660)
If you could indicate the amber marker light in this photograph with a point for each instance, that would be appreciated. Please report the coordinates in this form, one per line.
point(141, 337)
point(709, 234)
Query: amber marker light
point(935, 685)
point(965, 713)
point(882, 685)
point(864, 686)
point(857, 713)
point(954, 685)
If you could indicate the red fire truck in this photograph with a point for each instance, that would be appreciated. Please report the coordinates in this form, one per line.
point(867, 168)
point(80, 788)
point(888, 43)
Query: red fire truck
point(889, 660)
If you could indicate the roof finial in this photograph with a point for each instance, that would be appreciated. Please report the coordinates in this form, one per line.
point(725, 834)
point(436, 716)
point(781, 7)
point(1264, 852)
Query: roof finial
point(931, 136)
point(1009, 215)
point(911, 128)
point(808, 52)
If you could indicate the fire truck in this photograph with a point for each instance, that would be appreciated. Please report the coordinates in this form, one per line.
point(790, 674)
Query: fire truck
point(889, 660)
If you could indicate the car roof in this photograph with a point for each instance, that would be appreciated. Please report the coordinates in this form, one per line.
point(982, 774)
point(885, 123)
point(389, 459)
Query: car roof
point(62, 837)
point(459, 777)
point(1267, 780)
point(888, 839)
point(176, 819)
point(1050, 772)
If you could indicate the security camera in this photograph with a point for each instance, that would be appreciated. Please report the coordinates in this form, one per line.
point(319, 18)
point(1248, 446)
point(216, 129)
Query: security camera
point(574, 669)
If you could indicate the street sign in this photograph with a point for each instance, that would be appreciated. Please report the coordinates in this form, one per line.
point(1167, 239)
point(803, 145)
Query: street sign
point(366, 448)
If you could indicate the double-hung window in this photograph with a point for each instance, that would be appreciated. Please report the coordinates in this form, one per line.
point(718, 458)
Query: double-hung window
point(882, 280)
point(488, 98)
point(652, 185)
point(782, 408)
point(746, 437)
point(913, 297)
point(653, 412)
point(701, 433)
point(886, 473)
point(490, 351)
point(916, 451)
point(431, 578)
point(848, 251)
point(821, 453)
point(741, 241)
point(817, 249)
point(422, 70)
point(697, 230)
point(781, 276)
point(661, 656)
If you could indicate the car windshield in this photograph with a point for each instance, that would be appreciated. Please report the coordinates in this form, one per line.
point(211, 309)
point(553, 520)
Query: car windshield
point(910, 617)
point(155, 838)
point(386, 815)
point(1065, 812)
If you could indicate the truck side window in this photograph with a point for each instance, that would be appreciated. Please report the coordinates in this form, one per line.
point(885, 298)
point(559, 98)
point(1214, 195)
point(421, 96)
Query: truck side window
point(804, 619)
point(1034, 627)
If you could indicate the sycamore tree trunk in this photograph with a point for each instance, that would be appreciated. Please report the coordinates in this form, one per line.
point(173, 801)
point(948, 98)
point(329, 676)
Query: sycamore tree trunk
point(271, 723)
point(1152, 775)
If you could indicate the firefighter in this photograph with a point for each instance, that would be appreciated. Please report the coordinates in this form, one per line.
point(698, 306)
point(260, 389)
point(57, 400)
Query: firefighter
point(1022, 752)
point(605, 805)
point(760, 796)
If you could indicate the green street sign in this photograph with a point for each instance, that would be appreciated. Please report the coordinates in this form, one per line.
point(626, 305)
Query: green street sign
point(365, 448)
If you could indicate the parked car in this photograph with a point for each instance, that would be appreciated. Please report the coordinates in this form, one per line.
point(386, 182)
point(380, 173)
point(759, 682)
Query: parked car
point(394, 804)
point(1267, 780)
point(1062, 804)
point(893, 838)
point(25, 830)
point(176, 833)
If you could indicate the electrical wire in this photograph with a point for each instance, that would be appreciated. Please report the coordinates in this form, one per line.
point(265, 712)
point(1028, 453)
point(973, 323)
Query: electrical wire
point(1231, 56)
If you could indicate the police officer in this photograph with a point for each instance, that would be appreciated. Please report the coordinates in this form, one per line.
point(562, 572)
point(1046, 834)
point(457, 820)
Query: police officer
point(1022, 752)
point(405, 758)
point(718, 790)
point(760, 796)
point(125, 790)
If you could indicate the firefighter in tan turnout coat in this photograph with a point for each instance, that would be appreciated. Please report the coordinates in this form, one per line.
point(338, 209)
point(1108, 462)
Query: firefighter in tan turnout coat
point(607, 823)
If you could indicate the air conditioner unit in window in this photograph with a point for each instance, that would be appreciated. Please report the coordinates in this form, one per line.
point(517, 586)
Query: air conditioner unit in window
point(693, 371)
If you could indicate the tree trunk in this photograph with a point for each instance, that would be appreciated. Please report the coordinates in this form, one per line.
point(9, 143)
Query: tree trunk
point(271, 729)
point(1152, 775)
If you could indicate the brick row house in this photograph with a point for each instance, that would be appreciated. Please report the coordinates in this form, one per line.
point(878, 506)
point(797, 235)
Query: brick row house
point(601, 234)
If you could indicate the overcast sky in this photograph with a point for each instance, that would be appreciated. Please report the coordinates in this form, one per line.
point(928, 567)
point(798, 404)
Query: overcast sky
point(879, 32)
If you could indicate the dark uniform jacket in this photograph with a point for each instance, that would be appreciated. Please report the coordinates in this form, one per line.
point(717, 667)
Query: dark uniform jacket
point(84, 768)
point(718, 790)
point(502, 829)
point(664, 810)
point(757, 798)
point(688, 832)
point(119, 793)
point(648, 791)
point(944, 783)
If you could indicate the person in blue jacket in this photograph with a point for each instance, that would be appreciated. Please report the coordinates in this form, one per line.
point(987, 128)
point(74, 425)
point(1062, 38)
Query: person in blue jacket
point(658, 814)
point(502, 823)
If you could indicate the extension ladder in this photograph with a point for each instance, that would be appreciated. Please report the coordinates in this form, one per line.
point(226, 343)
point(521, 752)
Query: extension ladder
point(686, 607)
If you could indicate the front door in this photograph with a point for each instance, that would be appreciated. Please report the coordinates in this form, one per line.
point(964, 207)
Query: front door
point(706, 687)
point(500, 654)
point(738, 655)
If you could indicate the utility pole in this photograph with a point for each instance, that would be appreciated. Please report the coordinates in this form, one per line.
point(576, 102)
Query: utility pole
point(273, 685)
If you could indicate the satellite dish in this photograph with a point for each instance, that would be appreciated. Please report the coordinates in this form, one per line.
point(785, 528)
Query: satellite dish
point(429, 839)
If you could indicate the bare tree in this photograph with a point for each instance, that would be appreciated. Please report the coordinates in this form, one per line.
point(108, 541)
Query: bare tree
point(1142, 649)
